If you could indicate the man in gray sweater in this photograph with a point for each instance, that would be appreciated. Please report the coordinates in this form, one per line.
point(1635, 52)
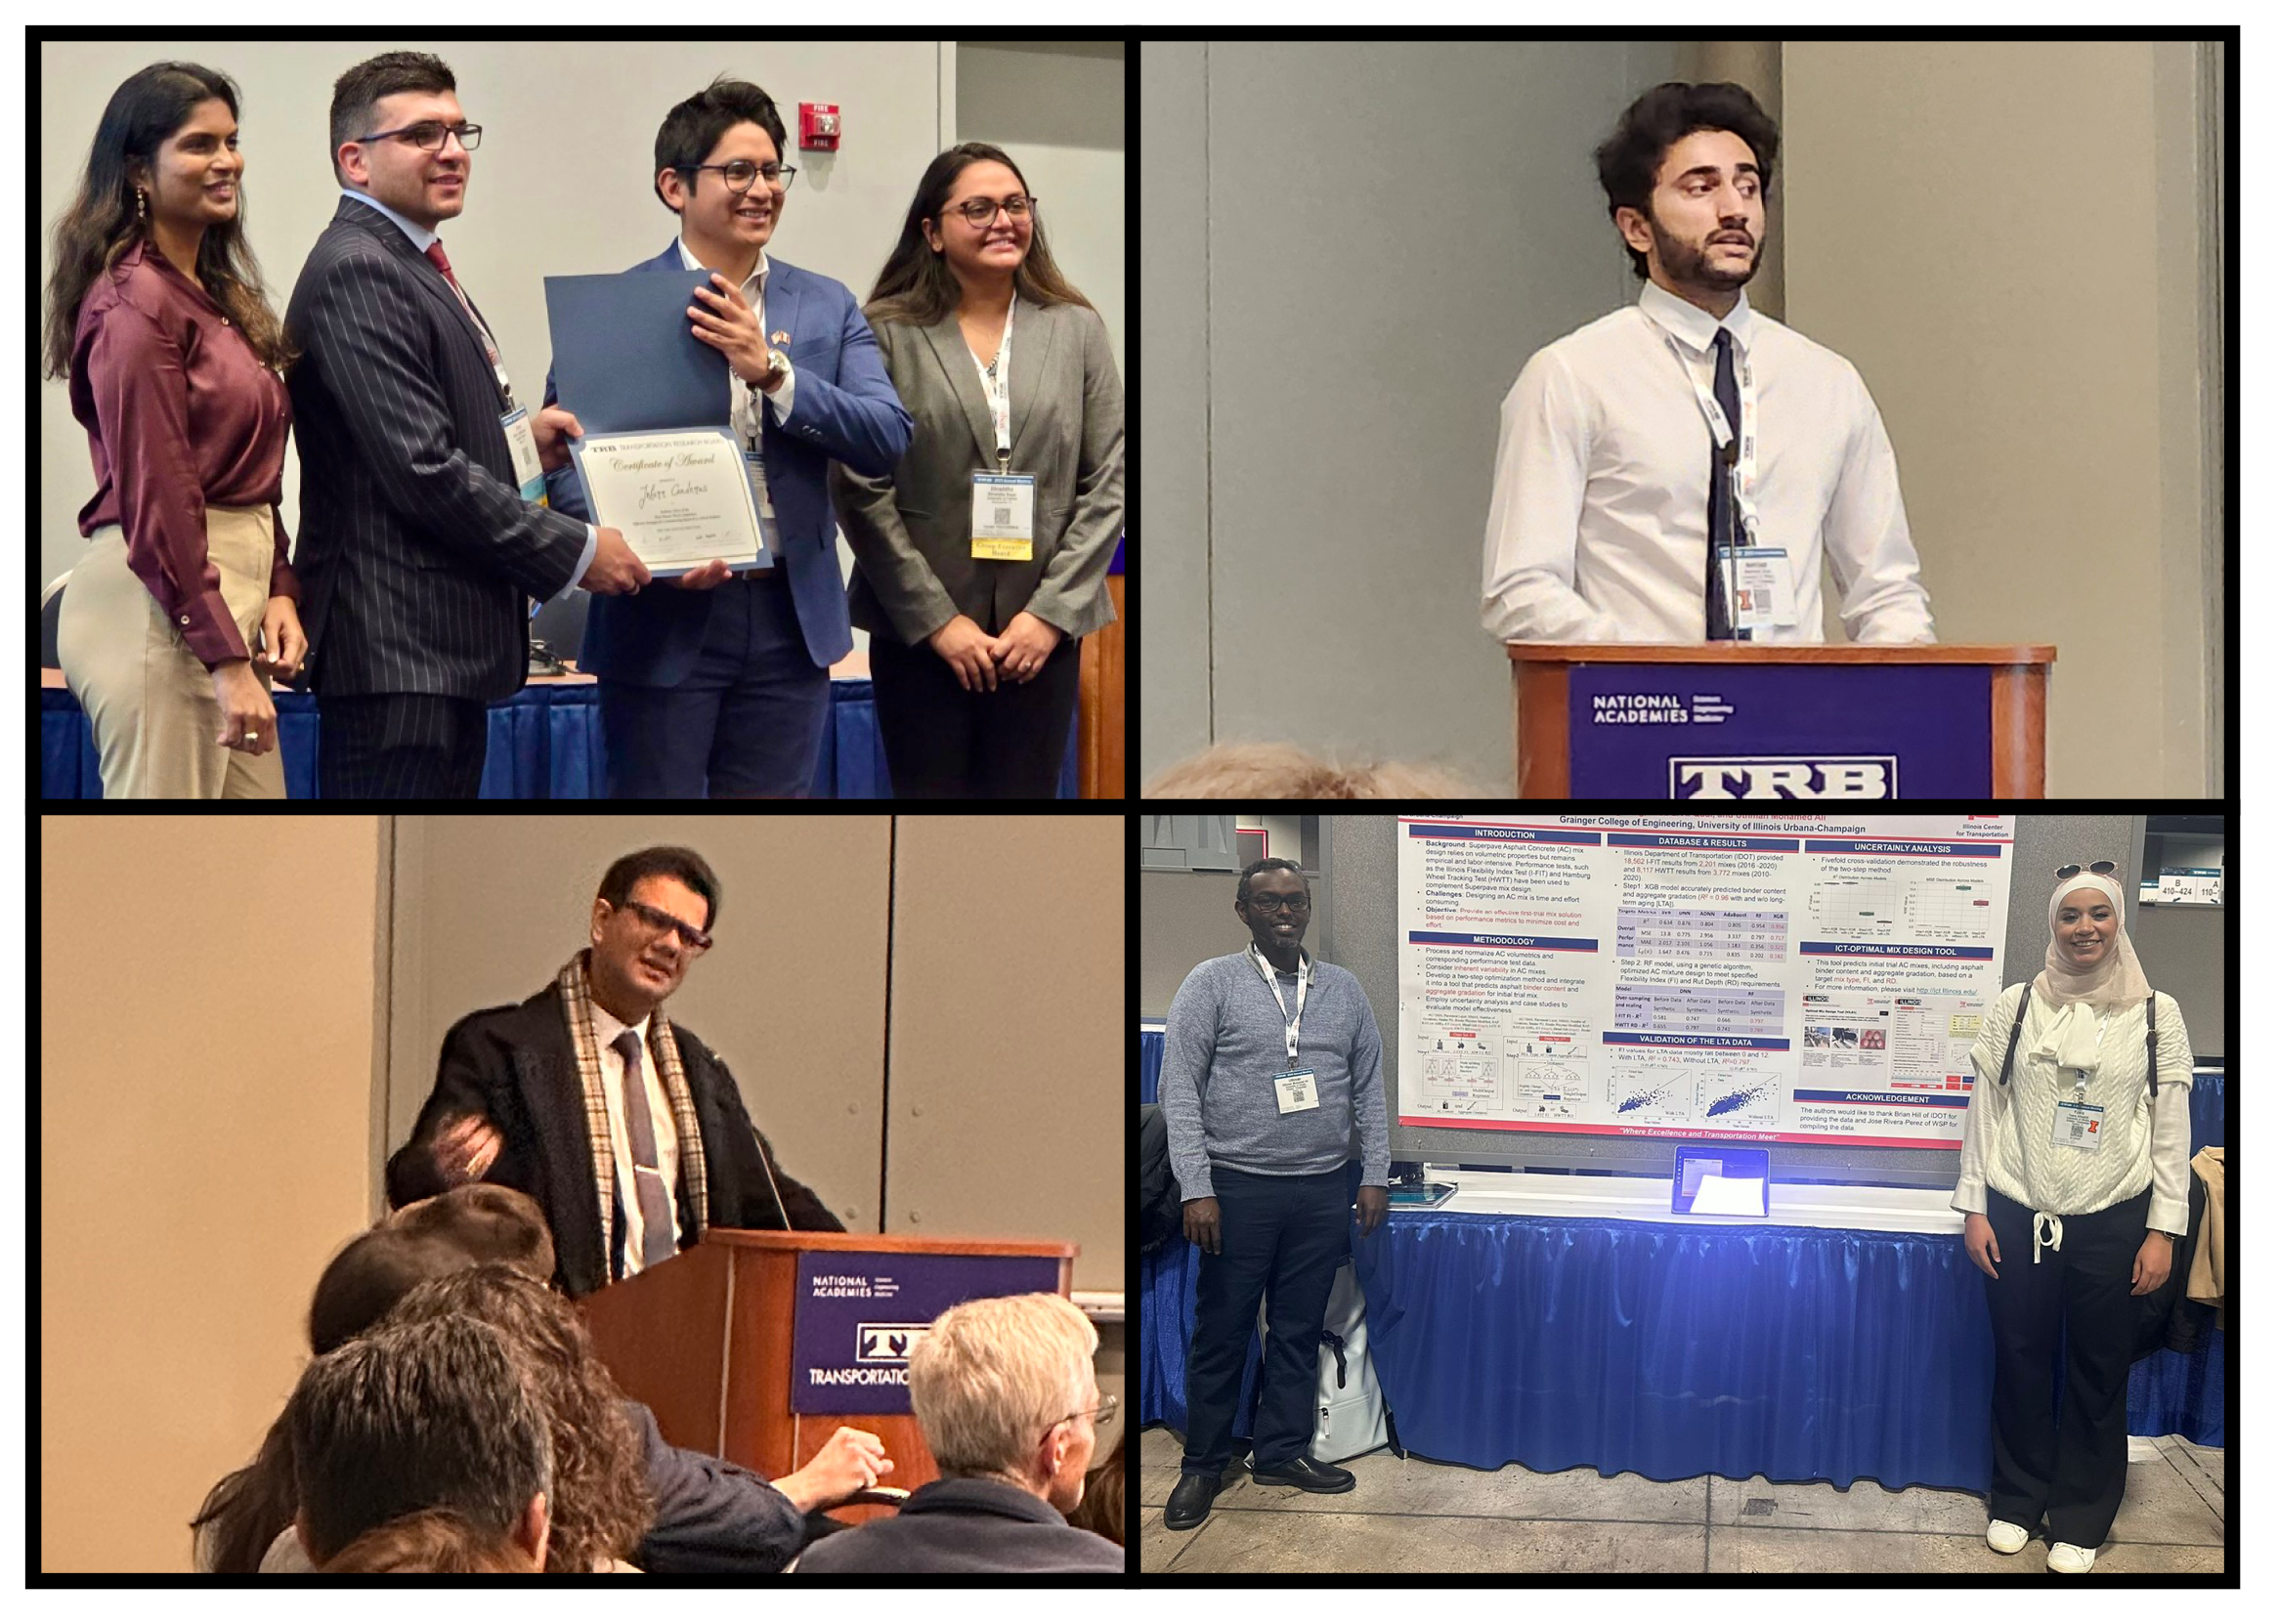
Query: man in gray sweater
point(1271, 1060)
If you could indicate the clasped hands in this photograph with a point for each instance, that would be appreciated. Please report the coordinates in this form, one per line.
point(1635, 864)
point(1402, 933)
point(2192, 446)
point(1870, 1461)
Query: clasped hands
point(1018, 652)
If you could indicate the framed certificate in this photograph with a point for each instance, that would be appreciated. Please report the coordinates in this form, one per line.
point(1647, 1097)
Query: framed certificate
point(681, 496)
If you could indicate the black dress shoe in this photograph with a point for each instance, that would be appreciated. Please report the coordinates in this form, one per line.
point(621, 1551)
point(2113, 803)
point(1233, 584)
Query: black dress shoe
point(1189, 1502)
point(1306, 1474)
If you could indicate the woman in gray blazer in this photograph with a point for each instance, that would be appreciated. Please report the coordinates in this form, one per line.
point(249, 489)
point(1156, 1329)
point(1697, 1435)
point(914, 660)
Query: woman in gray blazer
point(1006, 369)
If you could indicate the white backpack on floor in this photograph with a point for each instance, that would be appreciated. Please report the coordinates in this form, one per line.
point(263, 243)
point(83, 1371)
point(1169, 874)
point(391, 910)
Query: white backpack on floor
point(1349, 1414)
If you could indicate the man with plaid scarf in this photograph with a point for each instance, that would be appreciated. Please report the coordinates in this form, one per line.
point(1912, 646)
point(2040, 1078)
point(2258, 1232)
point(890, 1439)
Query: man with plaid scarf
point(623, 1126)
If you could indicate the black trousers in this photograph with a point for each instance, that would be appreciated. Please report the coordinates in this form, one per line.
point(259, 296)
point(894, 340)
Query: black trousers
point(2070, 1467)
point(1280, 1239)
point(943, 743)
point(400, 747)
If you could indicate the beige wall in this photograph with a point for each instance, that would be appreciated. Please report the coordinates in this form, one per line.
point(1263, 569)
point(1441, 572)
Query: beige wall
point(206, 1142)
point(202, 1161)
point(2004, 239)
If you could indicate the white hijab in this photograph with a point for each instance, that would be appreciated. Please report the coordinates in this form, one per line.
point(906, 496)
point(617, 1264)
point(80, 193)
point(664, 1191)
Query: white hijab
point(2083, 999)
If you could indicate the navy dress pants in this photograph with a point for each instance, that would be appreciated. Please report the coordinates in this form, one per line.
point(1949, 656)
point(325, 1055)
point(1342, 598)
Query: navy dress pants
point(1281, 1239)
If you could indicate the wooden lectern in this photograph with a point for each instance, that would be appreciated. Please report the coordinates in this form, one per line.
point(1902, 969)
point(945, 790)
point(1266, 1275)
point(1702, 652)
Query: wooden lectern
point(705, 1340)
point(1767, 721)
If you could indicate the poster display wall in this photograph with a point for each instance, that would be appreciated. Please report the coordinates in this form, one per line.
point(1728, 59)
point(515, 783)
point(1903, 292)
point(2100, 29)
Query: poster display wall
point(1808, 979)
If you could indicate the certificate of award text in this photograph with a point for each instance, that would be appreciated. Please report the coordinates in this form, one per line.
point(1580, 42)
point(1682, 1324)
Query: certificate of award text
point(682, 496)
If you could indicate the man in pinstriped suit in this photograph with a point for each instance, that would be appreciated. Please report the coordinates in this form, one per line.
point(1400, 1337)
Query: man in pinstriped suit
point(418, 551)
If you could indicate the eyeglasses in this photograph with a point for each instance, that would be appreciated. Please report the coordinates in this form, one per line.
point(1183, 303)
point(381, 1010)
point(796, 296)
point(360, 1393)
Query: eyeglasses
point(2071, 868)
point(1265, 902)
point(1099, 1417)
point(739, 174)
point(432, 137)
point(981, 211)
point(658, 921)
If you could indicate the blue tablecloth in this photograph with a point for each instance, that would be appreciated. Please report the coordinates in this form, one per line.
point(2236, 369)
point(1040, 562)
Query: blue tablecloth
point(1673, 1350)
point(546, 744)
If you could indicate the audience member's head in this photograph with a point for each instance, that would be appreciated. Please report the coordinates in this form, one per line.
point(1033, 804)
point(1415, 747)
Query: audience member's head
point(601, 1504)
point(1283, 772)
point(476, 1224)
point(430, 1542)
point(1002, 1387)
point(370, 1277)
point(1102, 1510)
point(488, 1222)
point(431, 1415)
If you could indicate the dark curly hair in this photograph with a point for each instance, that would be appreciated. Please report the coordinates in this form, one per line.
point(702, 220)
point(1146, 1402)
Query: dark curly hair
point(1628, 162)
point(601, 1504)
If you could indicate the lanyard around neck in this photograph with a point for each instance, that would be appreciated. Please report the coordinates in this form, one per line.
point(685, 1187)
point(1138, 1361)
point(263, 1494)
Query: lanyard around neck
point(1303, 981)
point(1743, 471)
point(995, 381)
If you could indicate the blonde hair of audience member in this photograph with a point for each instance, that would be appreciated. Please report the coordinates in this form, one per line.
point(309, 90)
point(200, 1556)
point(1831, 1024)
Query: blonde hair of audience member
point(1003, 1388)
point(1283, 772)
point(430, 1542)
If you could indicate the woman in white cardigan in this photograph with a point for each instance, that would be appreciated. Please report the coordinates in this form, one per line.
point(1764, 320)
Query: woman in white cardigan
point(2075, 1176)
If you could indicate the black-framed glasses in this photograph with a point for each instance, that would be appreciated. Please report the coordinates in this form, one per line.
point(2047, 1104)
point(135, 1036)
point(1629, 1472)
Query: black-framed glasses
point(982, 211)
point(1099, 1417)
point(2071, 868)
point(432, 137)
point(658, 921)
point(739, 174)
point(1265, 903)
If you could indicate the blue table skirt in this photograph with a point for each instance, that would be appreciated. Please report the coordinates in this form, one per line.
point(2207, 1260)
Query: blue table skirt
point(1816, 1353)
point(546, 744)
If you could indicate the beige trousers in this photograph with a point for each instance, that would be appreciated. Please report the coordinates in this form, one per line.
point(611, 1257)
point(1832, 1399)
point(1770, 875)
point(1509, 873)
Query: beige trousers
point(147, 698)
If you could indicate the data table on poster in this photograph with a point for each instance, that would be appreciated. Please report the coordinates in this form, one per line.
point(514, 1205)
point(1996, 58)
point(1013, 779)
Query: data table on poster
point(1701, 933)
point(1734, 1012)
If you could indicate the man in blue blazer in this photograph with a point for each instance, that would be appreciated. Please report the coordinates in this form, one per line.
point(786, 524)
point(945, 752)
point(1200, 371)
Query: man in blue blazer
point(722, 687)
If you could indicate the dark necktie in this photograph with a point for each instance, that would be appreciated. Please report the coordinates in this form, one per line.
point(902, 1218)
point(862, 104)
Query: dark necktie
point(1720, 516)
point(658, 1235)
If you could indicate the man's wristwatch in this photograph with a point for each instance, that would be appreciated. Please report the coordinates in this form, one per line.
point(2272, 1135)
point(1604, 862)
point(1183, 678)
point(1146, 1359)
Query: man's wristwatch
point(777, 364)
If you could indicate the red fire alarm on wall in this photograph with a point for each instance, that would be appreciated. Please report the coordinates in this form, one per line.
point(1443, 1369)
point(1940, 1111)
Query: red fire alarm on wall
point(818, 126)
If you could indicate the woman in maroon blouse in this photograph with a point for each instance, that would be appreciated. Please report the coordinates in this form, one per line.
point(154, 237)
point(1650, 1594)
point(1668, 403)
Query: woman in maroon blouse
point(183, 607)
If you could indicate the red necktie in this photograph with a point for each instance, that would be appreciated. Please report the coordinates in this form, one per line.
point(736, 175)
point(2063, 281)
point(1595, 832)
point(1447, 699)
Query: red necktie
point(441, 262)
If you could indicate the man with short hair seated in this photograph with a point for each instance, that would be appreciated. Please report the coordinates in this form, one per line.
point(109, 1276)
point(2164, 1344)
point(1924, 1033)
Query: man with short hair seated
point(414, 1418)
point(1004, 1389)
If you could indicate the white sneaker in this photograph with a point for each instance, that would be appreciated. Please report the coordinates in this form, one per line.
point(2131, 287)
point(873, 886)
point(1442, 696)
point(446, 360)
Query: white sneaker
point(2069, 1558)
point(2007, 1538)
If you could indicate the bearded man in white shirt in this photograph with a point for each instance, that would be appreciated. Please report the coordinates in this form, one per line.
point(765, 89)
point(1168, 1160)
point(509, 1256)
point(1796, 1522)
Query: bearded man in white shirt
point(1616, 439)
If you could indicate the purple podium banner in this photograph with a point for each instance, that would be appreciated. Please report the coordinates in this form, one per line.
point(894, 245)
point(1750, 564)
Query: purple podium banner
point(1779, 732)
point(860, 1313)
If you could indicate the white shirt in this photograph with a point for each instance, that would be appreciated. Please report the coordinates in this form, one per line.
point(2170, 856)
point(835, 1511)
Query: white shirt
point(606, 1027)
point(743, 403)
point(2006, 1142)
point(1598, 527)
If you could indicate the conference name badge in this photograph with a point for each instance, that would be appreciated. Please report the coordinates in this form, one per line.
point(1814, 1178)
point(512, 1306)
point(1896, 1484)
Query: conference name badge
point(2078, 1125)
point(1297, 1091)
point(1762, 589)
point(522, 445)
point(1004, 517)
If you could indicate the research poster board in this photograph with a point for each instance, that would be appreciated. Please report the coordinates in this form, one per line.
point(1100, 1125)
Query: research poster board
point(1807, 979)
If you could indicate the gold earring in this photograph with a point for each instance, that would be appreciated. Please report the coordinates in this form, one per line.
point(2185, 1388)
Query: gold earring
point(138, 202)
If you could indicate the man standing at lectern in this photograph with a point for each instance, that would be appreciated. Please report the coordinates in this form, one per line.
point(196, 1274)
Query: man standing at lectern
point(1272, 1067)
point(1686, 427)
point(622, 1125)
